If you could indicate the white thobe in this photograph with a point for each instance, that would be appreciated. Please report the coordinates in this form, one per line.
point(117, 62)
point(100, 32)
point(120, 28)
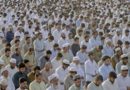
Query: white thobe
point(56, 63)
point(49, 44)
point(11, 71)
point(91, 68)
point(56, 34)
point(104, 70)
point(116, 38)
point(123, 82)
point(61, 73)
point(10, 83)
point(39, 47)
point(125, 38)
point(107, 85)
point(62, 41)
point(107, 50)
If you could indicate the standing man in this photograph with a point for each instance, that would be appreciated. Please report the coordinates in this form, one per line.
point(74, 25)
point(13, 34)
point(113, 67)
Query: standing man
point(39, 47)
point(23, 84)
point(123, 79)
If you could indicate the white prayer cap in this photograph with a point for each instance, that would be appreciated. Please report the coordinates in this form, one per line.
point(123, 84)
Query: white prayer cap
point(65, 45)
point(124, 55)
point(4, 82)
point(12, 60)
point(76, 58)
point(52, 77)
point(1, 62)
point(117, 49)
point(65, 61)
point(73, 69)
point(124, 67)
point(108, 40)
point(17, 35)
point(3, 69)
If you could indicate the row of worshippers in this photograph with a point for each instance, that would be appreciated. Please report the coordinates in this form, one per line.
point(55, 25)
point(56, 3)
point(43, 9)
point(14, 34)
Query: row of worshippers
point(46, 79)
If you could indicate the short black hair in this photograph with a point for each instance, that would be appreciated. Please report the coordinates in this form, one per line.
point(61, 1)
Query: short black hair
point(22, 80)
point(48, 52)
point(25, 61)
point(7, 49)
point(98, 77)
point(21, 65)
point(104, 58)
point(38, 74)
point(113, 75)
point(36, 68)
point(59, 54)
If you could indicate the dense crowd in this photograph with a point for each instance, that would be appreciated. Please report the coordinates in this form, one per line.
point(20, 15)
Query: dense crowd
point(64, 44)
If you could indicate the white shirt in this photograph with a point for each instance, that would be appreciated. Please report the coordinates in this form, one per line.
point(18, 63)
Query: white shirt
point(49, 45)
point(104, 70)
point(82, 55)
point(123, 82)
point(56, 63)
point(61, 73)
point(107, 85)
point(56, 34)
point(116, 38)
point(11, 71)
point(62, 41)
point(91, 68)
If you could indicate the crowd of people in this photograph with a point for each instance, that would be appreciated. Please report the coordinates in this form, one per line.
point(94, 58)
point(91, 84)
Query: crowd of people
point(64, 45)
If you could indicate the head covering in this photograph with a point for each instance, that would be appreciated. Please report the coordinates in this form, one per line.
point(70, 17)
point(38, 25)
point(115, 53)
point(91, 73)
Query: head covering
point(12, 60)
point(52, 77)
point(124, 56)
point(4, 82)
point(76, 77)
point(117, 49)
point(124, 67)
point(3, 69)
point(65, 45)
point(76, 58)
point(73, 69)
point(65, 61)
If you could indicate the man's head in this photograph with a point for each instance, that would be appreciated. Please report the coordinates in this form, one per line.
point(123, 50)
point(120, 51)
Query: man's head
point(36, 69)
point(48, 53)
point(77, 80)
point(112, 77)
point(98, 80)
point(124, 70)
point(12, 63)
point(38, 77)
point(106, 60)
point(65, 63)
point(23, 83)
point(4, 72)
point(53, 79)
point(21, 67)
point(91, 55)
point(72, 71)
point(7, 52)
point(124, 58)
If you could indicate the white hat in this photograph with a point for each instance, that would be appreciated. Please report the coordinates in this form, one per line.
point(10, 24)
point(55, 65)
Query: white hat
point(12, 60)
point(65, 45)
point(124, 67)
point(124, 55)
point(52, 77)
point(4, 82)
point(117, 49)
point(3, 69)
point(72, 69)
point(65, 61)
point(76, 58)
point(1, 62)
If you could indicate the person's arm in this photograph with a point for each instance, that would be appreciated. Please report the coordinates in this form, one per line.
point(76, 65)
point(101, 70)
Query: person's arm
point(31, 87)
